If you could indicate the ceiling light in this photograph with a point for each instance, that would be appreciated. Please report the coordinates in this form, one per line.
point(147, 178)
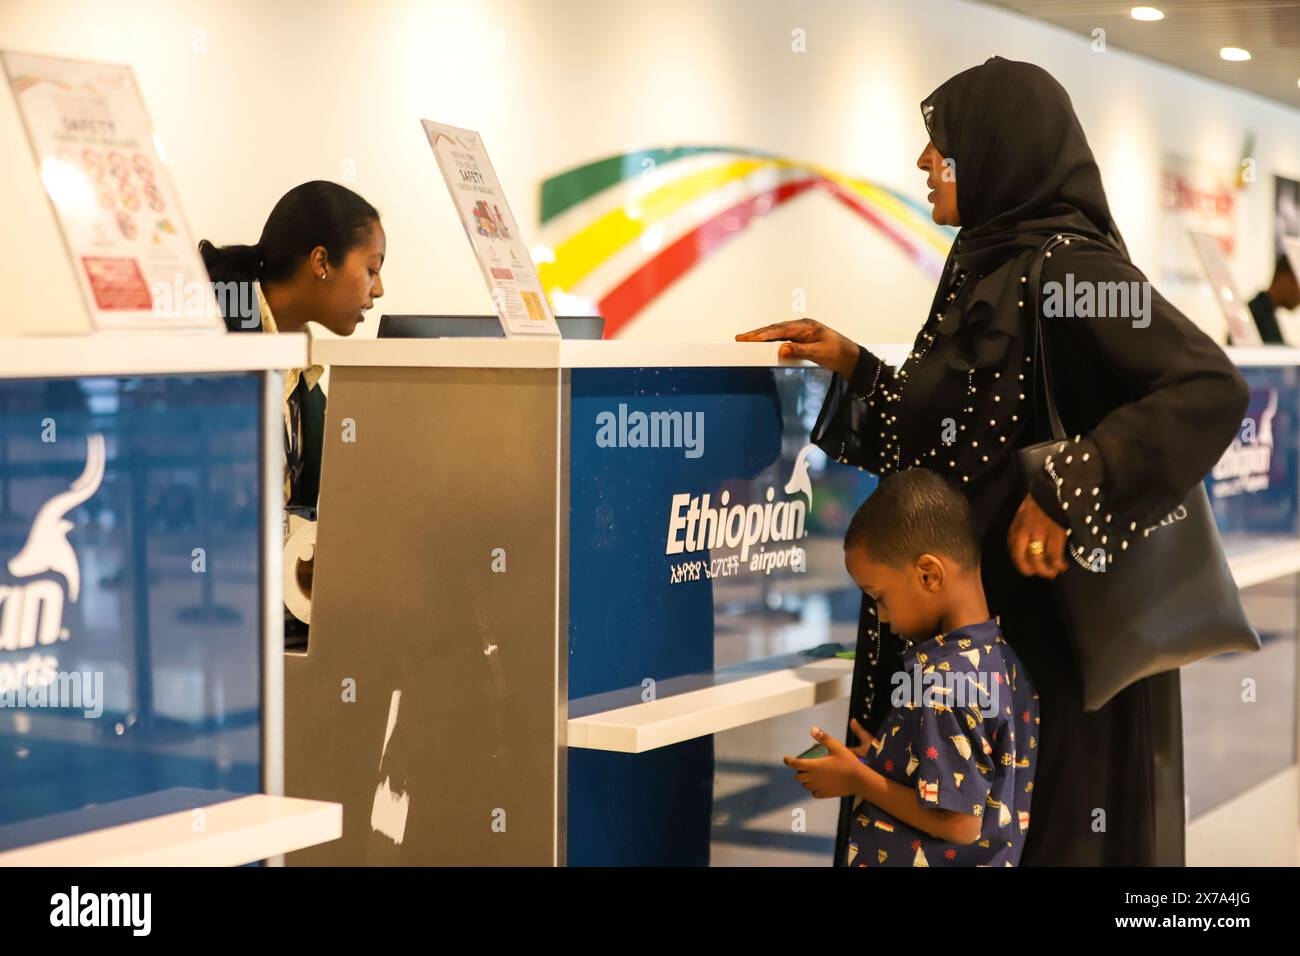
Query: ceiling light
point(1146, 13)
point(1234, 53)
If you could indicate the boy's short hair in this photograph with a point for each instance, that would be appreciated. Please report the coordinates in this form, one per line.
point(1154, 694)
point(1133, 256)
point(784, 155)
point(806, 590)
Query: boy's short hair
point(912, 512)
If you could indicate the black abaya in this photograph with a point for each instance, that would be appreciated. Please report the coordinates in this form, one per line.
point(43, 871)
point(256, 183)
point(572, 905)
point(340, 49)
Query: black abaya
point(1152, 399)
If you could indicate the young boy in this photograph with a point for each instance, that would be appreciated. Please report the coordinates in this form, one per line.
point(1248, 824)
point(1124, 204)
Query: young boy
point(949, 779)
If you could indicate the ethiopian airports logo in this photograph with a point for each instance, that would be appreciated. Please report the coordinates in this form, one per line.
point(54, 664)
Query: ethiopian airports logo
point(31, 610)
point(1244, 467)
point(755, 535)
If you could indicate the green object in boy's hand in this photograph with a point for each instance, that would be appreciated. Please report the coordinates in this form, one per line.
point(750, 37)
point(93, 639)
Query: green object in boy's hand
point(815, 752)
point(833, 649)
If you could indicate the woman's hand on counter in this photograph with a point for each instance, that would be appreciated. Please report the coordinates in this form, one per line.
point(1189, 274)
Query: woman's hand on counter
point(809, 339)
point(1031, 523)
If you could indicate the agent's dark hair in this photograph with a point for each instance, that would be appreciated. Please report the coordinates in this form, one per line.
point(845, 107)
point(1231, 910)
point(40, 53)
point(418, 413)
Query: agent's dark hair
point(913, 512)
point(1282, 267)
point(317, 213)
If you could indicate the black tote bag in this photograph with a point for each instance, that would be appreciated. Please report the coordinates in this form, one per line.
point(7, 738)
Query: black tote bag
point(1171, 601)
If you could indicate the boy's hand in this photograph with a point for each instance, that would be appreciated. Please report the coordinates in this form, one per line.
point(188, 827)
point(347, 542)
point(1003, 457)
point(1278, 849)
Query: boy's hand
point(868, 741)
point(836, 775)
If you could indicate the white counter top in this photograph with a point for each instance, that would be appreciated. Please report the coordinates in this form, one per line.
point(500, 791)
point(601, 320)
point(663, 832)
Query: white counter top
point(620, 353)
point(1263, 354)
point(234, 832)
point(187, 352)
point(726, 703)
point(516, 353)
point(154, 353)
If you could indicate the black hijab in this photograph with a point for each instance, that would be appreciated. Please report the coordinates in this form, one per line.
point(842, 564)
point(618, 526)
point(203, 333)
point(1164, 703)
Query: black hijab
point(1024, 173)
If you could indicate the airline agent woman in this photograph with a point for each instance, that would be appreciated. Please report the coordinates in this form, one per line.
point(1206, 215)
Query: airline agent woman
point(318, 260)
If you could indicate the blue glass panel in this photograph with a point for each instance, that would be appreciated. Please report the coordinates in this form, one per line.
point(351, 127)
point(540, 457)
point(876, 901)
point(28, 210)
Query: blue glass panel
point(130, 589)
point(705, 542)
point(1254, 486)
point(1239, 722)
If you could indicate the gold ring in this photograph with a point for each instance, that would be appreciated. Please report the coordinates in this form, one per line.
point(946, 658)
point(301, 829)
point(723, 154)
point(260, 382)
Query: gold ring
point(1037, 547)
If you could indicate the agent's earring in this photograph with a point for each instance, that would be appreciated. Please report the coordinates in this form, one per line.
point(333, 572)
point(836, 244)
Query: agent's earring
point(322, 275)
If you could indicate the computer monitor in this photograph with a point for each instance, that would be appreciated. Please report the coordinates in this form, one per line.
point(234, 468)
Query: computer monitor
point(478, 326)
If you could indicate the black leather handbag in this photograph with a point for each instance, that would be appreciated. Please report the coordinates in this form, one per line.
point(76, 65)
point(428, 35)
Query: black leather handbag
point(1171, 601)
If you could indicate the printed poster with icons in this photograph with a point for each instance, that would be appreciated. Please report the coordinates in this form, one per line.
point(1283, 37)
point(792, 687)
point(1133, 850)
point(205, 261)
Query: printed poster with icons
point(114, 200)
point(492, 231)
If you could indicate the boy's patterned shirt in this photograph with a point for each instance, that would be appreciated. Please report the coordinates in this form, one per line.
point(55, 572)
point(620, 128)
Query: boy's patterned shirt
point(965, 738)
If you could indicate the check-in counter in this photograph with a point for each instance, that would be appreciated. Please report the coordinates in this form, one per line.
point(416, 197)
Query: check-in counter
point(1240, 710)
point(549, 575)
point(141, 631)
point(523, 552)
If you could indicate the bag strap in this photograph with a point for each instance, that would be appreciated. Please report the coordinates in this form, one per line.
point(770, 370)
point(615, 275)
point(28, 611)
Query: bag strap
point(1034, 300)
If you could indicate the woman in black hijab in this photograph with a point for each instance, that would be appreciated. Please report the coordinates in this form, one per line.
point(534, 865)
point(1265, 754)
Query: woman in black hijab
point(1151, 400)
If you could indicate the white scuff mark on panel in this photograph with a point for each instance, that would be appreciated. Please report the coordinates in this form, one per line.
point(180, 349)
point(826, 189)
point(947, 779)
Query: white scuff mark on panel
point(388, 813)
point(489, 649)
point(394, 702)
point(389, 810)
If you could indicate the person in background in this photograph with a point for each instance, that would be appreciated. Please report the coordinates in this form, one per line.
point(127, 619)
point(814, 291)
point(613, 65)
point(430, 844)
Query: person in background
point(1282, 293)
point(318, 260)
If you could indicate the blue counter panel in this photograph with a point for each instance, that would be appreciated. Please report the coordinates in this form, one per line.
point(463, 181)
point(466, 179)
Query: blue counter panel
point(698, 508)
point(1255, 484)
point(1239, 717)
point(130, 589)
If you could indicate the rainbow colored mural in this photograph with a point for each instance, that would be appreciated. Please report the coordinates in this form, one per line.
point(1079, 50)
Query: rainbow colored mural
point(617, 232)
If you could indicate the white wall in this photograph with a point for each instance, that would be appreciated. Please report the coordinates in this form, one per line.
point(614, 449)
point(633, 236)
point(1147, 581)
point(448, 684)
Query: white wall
point(251, 97)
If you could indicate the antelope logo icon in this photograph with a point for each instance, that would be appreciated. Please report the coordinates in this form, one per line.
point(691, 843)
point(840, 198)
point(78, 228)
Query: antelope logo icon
point(47, 547)
point(1266, 420)
point(26, 609)
point(800, 482)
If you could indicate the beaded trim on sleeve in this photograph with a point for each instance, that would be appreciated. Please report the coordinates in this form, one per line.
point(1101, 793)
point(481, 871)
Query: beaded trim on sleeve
point(1103, 518)
point(874, 382)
